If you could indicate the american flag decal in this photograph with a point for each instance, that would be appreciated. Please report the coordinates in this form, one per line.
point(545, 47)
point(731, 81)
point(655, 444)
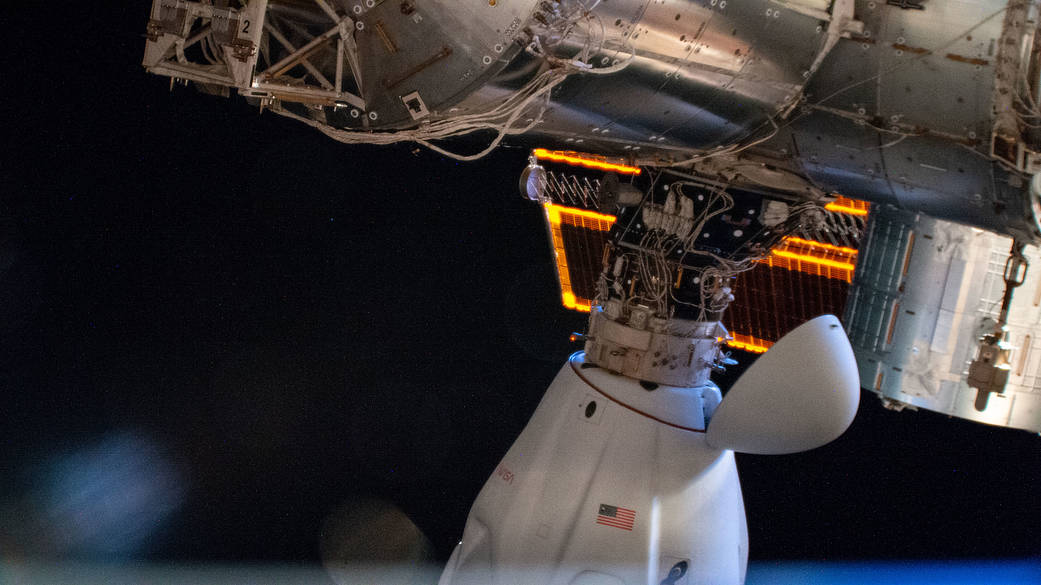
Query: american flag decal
point(614, 516)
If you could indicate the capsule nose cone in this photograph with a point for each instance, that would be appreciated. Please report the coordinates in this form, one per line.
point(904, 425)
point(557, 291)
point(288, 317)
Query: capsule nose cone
point(801, 394)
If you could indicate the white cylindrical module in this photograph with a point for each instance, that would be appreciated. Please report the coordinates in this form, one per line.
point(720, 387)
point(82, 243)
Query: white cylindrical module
point(924, 294)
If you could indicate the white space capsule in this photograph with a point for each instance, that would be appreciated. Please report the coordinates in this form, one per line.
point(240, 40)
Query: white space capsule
point(611, 483)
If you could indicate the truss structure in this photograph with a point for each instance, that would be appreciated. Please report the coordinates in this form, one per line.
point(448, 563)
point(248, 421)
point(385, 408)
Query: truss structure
point(289, 50)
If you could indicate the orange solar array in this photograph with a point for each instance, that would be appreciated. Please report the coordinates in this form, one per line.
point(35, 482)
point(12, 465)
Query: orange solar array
point(585, 160)
point(748, 343)
point(848, 206)
point(817, 259)
point(813, 257)
point(557, 216)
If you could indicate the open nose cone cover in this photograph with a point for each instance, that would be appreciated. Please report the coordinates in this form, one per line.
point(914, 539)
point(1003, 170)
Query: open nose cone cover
point(801, 394)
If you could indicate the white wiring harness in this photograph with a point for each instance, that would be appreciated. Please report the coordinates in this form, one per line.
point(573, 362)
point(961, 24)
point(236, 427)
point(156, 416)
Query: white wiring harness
point(513, 115)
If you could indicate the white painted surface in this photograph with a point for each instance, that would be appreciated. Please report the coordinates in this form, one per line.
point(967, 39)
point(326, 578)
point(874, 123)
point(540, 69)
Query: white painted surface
point(535, 520)
point(801, 394)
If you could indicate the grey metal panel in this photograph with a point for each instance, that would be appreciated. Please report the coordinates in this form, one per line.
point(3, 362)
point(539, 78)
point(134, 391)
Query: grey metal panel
point(921, 168)
point(957, 184)
point(852, 66)
point(914, 65)
point(784, 46)
point(707, 73)
point(752, 39)
point(924, 174)
point(842, 156)
point(443, 49)
point(934, 77)
point(689, 110)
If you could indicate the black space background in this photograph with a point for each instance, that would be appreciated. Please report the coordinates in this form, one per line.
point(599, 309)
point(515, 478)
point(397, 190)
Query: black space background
point(296, 323)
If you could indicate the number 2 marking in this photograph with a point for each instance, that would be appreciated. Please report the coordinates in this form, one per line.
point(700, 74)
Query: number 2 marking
point(245, 27)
